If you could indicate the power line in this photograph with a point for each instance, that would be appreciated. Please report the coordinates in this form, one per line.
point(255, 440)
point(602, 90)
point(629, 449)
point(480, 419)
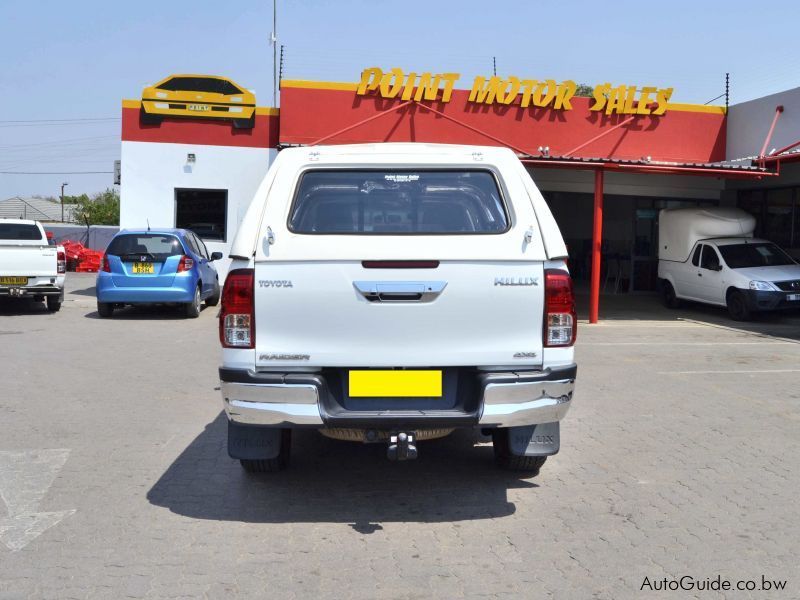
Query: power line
point(56, 172)
point(62, 120)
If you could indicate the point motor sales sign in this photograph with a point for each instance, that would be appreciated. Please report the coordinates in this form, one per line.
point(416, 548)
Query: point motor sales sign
point(621, 99)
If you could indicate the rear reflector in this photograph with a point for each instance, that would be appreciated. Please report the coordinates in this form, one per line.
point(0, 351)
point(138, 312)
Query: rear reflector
point(399, 264)
point(106, 267)
point(61, 263)
point(237, 316)
point(560, 320)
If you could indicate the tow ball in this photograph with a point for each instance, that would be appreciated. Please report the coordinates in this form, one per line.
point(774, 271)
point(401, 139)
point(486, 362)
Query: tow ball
point(402, 446)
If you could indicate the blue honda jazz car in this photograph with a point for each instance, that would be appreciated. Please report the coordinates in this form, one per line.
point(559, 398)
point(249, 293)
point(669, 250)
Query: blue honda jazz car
point(157, 266)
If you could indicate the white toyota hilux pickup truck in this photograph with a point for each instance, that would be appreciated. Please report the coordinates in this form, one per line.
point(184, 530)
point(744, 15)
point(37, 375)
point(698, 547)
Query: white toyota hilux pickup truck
point(391, 293)
point(29, 266)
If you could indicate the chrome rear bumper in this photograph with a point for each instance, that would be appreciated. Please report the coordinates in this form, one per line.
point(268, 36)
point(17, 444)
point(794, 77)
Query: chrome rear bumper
point(509, 399)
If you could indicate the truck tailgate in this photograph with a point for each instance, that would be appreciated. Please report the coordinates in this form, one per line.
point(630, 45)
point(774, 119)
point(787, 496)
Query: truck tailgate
point(27, 260)
point(341, 314)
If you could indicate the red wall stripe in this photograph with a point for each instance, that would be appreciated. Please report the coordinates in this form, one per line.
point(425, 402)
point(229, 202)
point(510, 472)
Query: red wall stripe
point(200, 131)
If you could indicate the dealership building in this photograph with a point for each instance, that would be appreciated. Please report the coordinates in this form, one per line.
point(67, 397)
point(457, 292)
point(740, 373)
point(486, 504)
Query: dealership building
point(606, 163)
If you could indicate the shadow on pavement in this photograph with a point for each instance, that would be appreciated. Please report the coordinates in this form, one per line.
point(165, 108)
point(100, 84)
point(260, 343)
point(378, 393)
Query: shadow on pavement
point(150, 312)
point(13, 307)
point(338, 482)
point(89, 291)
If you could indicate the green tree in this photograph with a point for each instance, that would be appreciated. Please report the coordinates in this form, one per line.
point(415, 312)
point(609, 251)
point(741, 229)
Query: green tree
point(584, 90)
point(100, 209)
point(74, 199)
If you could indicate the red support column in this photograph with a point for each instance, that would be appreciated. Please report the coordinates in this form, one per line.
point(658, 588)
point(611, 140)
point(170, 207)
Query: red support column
point(597, 240)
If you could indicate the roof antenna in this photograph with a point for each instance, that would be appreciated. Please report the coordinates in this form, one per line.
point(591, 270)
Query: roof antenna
point(148, 224)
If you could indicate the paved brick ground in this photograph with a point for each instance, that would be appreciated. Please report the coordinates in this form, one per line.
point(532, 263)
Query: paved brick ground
point(678, 458)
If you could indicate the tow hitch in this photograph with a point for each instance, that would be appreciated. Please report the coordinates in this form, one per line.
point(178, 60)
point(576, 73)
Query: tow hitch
point(402, 446)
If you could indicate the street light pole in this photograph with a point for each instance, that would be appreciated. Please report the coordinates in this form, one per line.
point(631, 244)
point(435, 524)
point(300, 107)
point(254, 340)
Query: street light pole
point(63, 185)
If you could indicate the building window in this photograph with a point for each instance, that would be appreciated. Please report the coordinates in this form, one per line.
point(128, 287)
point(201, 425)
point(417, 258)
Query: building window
point(203, 211)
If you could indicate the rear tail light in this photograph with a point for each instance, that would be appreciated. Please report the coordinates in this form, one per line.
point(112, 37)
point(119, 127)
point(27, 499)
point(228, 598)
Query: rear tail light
point(560, 320)
point(237, 317)
point(105, 267)
point(185, 264)
point(62, 261)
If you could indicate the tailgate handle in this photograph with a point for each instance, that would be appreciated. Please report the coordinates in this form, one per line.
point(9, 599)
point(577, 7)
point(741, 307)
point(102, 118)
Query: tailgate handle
point(400, 291)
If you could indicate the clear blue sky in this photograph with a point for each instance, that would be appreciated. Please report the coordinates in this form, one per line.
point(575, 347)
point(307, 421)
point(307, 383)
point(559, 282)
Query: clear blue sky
point(78, 59)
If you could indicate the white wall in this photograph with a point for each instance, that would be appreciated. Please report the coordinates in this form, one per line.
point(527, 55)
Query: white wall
point(749, 123)
point(152, 171)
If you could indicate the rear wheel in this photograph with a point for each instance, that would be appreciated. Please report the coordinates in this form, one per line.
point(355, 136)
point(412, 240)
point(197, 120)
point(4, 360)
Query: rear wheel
point(271, 465)
point(213, 299)
point(503, 457)
point(193, 308)
point(668, 295)
point(105, 310)
point(53, 303)
point(148, 119)
point(737, 306)
point(245, 123)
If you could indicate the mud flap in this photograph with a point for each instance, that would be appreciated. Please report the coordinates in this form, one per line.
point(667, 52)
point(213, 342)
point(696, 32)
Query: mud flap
point(534, 440)
point(252, 442)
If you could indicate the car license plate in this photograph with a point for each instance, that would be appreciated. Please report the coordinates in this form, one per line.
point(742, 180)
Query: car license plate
point(395, 384)
point(199, 107)
point(140, 268)
point(793, 297)
point(13, 281)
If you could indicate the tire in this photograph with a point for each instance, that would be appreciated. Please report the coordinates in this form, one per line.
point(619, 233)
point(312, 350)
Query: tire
point(213, 299)
point(737, 306)
point(53, 303)
point(105, 310)
point(193, 308)
point(668, 295)
point(511, 462)
point(245, 123)
point(271, 465)
point(148, 119)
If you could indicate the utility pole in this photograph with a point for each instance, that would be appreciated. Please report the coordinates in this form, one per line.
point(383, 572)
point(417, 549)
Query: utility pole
point(274, 42)
point(63, 185)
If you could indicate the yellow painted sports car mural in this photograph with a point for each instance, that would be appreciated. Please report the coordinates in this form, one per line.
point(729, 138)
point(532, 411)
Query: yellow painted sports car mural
point(198, 96)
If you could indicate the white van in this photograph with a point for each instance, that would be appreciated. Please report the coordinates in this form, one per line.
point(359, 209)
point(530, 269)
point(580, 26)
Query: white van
point(392, 293)
point(709, 255)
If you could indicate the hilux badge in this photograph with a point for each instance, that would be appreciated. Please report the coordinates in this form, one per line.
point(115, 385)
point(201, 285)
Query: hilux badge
point(516, 281)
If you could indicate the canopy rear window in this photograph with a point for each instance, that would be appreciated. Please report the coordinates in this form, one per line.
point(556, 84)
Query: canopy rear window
point(20, 231)
point(154, 246)
point(398, 202)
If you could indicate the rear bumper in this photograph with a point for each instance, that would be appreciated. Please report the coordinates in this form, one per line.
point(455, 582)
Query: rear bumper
point(32, 290)
point(505, 399)
point(182, 290)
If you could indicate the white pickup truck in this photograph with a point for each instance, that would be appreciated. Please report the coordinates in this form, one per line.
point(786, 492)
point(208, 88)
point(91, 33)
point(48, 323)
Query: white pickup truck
point(709, 255)
point(29, 266)
point(391, 293)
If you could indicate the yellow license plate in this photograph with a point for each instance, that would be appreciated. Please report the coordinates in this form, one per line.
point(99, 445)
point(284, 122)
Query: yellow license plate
point(199, 107)
point(143, 268)
point(395, 384)
point(13, 281)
